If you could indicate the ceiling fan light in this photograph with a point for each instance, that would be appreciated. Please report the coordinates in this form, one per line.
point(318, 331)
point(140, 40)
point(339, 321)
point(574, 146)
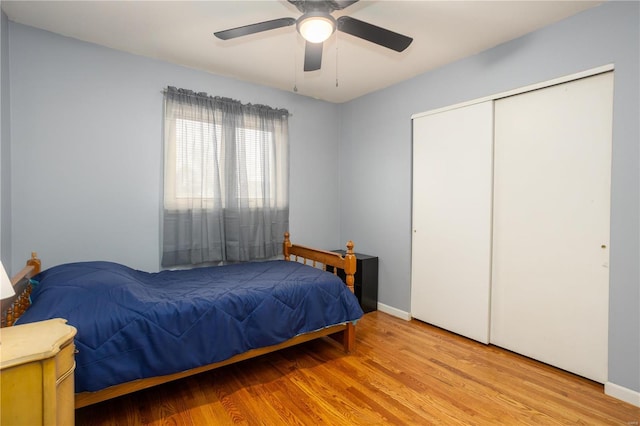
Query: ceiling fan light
point(316, 28)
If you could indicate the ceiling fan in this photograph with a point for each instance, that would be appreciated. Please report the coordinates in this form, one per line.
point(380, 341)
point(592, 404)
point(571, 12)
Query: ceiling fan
point(316, 25)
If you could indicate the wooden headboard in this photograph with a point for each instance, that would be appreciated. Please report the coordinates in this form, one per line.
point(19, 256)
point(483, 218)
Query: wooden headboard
point(12, 307)
point(325, 258)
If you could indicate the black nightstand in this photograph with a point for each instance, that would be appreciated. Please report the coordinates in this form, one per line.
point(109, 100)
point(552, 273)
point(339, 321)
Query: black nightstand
point(366, 280)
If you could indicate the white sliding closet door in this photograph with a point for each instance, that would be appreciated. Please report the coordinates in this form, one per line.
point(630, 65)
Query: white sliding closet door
point(451, 246)
point(550, 284)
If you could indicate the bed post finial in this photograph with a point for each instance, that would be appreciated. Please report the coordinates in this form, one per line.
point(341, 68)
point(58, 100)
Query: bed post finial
point(35, 262)
point(350, 265)
point(350, 247)
point(285, 246)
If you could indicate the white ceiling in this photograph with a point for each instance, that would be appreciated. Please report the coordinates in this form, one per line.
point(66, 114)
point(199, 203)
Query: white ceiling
point(182, 32)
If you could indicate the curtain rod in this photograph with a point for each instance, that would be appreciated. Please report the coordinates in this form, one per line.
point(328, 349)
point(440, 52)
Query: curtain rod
point(226, 100)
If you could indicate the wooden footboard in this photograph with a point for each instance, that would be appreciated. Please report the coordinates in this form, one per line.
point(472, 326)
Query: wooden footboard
point(323, 257)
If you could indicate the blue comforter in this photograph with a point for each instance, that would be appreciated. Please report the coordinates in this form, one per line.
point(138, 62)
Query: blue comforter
point(134, 324)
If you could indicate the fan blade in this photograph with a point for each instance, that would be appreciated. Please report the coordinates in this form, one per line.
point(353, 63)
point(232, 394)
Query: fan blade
point(312, 56)
point(374, 34)
point(254, 28)
point(341, 4)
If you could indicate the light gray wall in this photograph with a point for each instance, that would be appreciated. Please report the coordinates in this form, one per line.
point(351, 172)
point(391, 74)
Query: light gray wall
point(376, 144)
point(5, 147)
point(87, 136)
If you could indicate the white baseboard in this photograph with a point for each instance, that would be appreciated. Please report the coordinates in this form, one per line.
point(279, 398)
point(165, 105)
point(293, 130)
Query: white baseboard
point(393, 311)
point(622, 393)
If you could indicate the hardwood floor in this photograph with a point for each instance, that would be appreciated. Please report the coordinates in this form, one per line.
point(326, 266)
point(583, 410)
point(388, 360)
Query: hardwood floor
point(402, 373)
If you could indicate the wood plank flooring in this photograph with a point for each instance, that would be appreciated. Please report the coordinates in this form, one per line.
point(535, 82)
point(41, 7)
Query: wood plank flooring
point(402, 373)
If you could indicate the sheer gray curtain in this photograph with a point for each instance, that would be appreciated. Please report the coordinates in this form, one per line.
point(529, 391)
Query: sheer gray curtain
point(226, 179)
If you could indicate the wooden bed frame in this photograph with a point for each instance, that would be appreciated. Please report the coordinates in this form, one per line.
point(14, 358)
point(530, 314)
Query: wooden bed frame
point(343, 333)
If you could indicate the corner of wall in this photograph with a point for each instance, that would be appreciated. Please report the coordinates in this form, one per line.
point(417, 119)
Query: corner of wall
point(5, 145)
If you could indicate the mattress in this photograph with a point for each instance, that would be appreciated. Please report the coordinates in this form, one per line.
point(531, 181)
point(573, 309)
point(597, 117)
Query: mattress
point(133, 324)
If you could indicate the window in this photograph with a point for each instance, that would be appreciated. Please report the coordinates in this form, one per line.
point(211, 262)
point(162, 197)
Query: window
point(195, 140)
point(225, 179)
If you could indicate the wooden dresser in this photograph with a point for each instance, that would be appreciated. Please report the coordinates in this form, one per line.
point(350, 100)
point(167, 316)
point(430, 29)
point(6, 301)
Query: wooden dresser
point(36, 374)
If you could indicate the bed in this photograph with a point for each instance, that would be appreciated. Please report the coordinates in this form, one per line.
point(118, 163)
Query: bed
point(139, 329)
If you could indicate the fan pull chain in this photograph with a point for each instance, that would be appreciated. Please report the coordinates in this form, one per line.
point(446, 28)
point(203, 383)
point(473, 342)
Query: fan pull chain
point(295, 62)
point(337, 60)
